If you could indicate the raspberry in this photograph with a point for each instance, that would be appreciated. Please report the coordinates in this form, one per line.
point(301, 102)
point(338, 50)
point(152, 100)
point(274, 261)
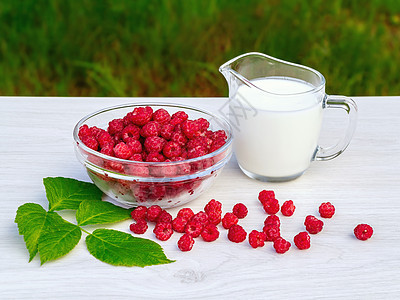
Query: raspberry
point(196, 152)
point(179, 138)
point(236, 233)
point(154, 144)
point(115, 126)
point(163, 231)
point(203, 124)
point(216, 144)
point(240, 210)
point(181, 115)
point(130, 132)
point(213, 205)
point(136, 157)
point(155, 157)
point(288, 208)
point(153, 212)
point(199, 141)
point(272, 220)
point(179, 224)
point(164, 217)
point(186, 213)
point(264, 195)
point(104, 139)
point(313, 225)
point(200, 217)
point(84, 130)
point(229, 220)
point(363, 231)
point(302, 240)
point(218, 135)
point(185, 242)
point(281, 245)
point(121, 150)
point(172, 149)
point(135, 145)
point(191, 128)
point(271, 206)
point(108, 149)
point(161, 116)
point(210, 232)
point(214, 216)
point(140, 115)
point(272, 232)
point(326, 210)
point(257, 239)
point(166, 131)
point(139, 227)
point(152, 128)
point(139, 213)
point(91, 142)
point(194, 228)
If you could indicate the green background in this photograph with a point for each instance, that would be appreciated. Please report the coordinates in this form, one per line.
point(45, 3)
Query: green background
point(174, 48)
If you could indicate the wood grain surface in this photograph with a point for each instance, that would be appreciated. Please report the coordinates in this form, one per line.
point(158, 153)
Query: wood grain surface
point(362, 183)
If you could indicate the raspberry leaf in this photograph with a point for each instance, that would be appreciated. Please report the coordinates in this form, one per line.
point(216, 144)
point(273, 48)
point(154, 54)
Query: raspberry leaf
point(31, 218)
point(122, 249)
point(67, 193)
point(58, 237)
point(100, 212)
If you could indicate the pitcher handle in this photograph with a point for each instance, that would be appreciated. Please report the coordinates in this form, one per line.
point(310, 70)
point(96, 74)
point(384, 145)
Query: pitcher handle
point(350, 107)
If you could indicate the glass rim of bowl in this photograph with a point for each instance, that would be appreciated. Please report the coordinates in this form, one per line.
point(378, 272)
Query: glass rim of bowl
point(77, 140)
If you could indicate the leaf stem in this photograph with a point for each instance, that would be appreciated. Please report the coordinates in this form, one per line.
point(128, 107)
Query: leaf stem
point(87, 232)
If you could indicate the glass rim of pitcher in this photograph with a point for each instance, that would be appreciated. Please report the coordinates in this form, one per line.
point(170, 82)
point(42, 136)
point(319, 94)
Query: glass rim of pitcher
point(226, 66)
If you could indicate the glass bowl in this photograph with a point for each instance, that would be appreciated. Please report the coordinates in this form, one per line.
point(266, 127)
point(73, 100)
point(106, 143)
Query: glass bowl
point(167, 184)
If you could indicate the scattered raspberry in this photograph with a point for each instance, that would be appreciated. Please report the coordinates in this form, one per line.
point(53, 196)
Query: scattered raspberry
point(288, 208)
point(200, 217)
point(153, 212)
point(326, 210)
point(257, 238)
point(272, 232)
point(271, 206)
point(240, 210)
point(179, 224)
point(264, 195)
point(302, 240)
point(363, 231)
point(139, 227)
point(172, 149)
point(229, 220)
point(164, 217)
point(115, 126)
point(272, 220)
point(154, 144)
point(213, 205)
point(121, 150)
point(210, 232)
point(139, 213)
point(214, 216)
point(194, 228)
point(281, 245)
point(236, 233)
point(186, 213)
point(185, 242)
point(313, 225)
point(163, 231)
point(161, 116)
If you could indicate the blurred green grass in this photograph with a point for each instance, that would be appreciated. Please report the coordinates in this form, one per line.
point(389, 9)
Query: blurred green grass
point(174, 48)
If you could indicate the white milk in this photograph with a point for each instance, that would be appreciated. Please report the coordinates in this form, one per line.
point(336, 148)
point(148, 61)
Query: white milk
point(277, 135)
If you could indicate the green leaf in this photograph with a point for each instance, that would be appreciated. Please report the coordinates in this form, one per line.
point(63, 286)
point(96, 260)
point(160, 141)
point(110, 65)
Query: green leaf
point(68, 193)
point(100, 212)
point(57, 238)
point(122, 249)
point(30, 219)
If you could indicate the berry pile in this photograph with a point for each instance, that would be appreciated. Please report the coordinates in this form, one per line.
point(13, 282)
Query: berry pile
point(205, 223)
point(144, 135)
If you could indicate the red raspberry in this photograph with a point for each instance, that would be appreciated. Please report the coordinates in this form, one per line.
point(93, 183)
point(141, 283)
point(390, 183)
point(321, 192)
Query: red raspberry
point(162, 116)
point(155, 157)
point(104, 139)
point(108, 149)
point(130, 132)
point(179, 224)
point(166, 131)
point(140, 115)
point(203, 124)
point(214, 216)
point(185, 242)
point(91, 142)
point(271, 206)
point(139, 227)
point(152, 128)
point(135, 145)
point(213, 205)
point(363, 231)
point(199, 141)
point(181, 115)
point(210, 232)
point(194, 228)
point(154, 144)
point(196, 152)
point(272, 232)
point(326, 210)
point(240, 210)
point(288, 208)
point(236, 233)
point(313, 225)
point(257, 238)
point(153, 212)
point(163, 231)
point(216, 144)
point(302, 240)
point(186, 213)
point(121, 150)
point(136, 157)
point(218, 135)
point(179, 138)
point(272, 220)
point(191, 128)
point(229, 220)
point(115, 126)
point(281, 245)
point(139, 213)
point(200, 217)
point(172, 149)
point(264, 195)
point(164, 217)
point(84, 130)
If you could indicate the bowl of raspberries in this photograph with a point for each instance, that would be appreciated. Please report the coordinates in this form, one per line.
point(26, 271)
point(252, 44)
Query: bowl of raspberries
point(147, 154)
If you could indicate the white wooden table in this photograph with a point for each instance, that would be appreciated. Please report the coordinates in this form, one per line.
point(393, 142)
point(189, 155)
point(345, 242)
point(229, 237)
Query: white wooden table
point(363, 183)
